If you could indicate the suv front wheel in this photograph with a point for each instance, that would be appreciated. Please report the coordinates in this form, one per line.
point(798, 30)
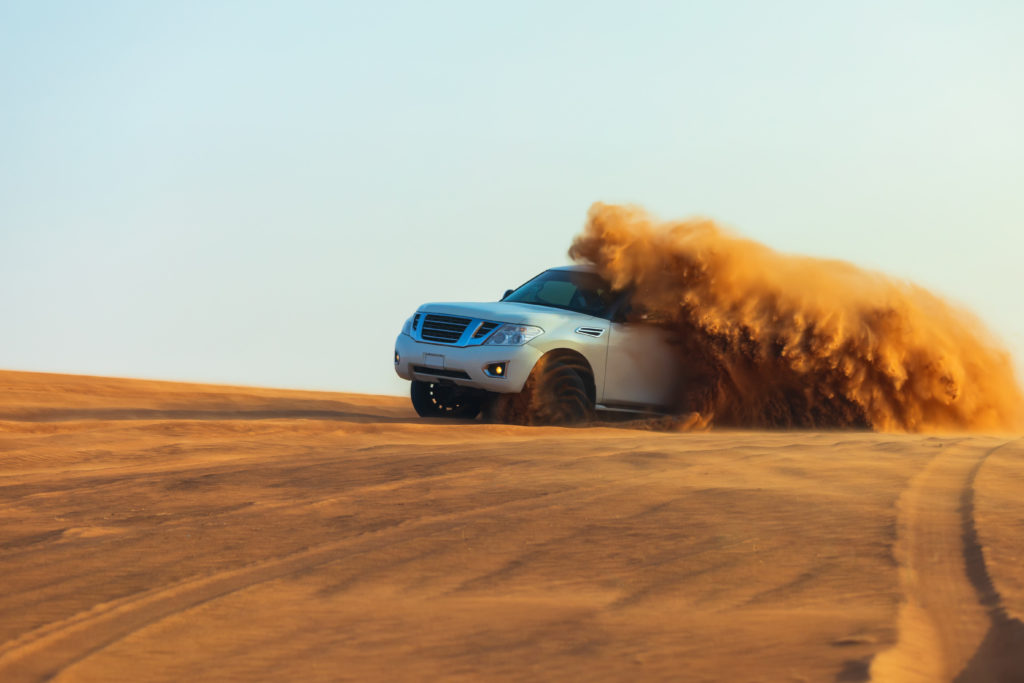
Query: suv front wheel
point(554, 394)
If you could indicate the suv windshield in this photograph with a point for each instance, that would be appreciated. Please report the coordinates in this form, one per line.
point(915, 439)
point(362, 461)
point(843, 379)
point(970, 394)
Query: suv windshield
point(573, 290)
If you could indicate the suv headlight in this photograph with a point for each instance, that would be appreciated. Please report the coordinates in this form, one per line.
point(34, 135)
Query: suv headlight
point(513, 335)
point(407, 327)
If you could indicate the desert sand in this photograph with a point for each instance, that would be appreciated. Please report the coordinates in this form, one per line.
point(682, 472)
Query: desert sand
point(157, 531)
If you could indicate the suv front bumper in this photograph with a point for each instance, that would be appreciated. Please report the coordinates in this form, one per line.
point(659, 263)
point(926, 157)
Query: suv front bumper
point(464, 365)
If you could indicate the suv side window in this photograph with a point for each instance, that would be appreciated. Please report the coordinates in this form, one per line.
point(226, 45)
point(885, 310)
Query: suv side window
point(630, 311)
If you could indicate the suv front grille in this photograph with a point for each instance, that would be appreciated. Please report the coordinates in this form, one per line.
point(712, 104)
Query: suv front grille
point(484, 330)
point(446, 329)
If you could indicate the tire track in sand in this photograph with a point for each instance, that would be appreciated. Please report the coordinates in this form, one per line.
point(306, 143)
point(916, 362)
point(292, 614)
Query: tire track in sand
point(951, 622)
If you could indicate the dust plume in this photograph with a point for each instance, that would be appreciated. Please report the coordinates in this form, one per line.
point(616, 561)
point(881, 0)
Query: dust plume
point(776, 340)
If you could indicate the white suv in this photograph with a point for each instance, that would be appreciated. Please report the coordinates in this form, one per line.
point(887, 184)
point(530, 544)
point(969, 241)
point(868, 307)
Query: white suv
point(550, 352)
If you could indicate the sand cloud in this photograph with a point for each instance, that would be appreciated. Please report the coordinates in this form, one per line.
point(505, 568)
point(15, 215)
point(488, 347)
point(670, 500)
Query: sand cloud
point(777, 340)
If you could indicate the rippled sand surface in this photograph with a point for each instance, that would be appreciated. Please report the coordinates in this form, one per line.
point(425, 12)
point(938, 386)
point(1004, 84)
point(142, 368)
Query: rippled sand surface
point(165, 532)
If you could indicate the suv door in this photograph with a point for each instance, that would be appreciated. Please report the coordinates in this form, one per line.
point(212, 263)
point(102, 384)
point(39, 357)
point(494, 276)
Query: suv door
point(643, 368)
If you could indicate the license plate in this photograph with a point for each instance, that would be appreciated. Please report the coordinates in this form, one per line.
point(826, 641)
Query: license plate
point(433, 360)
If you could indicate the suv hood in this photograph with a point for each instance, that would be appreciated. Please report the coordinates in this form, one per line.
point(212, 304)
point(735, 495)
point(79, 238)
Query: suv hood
point(509, 312)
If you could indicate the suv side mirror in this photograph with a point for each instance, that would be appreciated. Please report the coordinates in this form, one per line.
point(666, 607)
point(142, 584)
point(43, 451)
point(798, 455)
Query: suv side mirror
point(505, 295)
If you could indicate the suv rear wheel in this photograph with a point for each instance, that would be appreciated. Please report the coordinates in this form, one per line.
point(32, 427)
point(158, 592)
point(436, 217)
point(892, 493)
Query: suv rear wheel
point(432, 399)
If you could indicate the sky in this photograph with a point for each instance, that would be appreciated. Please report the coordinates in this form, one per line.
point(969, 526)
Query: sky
point(260, 193)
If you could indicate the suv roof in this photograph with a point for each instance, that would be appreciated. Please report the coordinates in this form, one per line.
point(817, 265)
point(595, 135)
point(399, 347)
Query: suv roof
point(579, 267)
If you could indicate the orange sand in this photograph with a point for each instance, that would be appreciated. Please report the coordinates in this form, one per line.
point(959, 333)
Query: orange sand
point(166, 532)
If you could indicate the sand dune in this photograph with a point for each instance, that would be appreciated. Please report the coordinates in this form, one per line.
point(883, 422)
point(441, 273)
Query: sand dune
point(164, 532)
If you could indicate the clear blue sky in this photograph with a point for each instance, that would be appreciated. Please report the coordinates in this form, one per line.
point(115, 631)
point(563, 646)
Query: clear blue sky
point(261, 192)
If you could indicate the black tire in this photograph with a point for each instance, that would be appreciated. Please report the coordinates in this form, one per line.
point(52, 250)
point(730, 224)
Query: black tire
point(554, 394)
point(445, 400)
